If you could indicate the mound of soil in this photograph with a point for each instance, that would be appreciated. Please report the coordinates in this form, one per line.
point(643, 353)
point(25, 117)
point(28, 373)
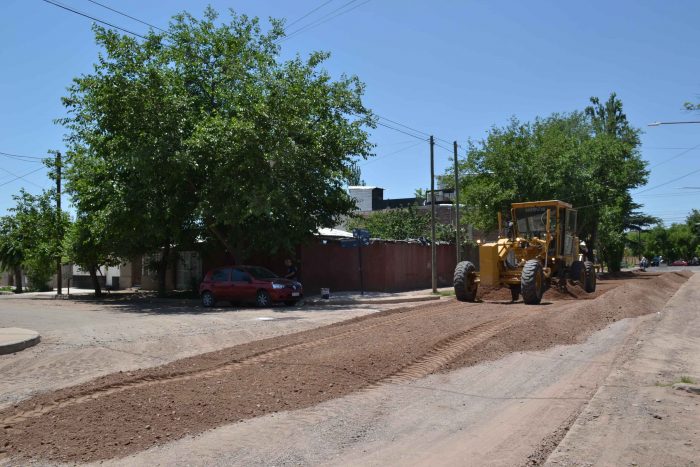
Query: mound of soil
point(122, 413)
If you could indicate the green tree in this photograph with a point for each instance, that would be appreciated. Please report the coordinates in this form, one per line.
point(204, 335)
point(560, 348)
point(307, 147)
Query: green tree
point(88, 245)
point(201, 131)
point(618, 145)
point(30, 237)
point(355, 175)
point(402, 224)
point(11, 249)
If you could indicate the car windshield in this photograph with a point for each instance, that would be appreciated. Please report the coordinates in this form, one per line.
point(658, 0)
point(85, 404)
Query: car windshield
point(260, 273)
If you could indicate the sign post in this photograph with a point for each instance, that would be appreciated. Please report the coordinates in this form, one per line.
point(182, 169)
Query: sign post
point(362, 236)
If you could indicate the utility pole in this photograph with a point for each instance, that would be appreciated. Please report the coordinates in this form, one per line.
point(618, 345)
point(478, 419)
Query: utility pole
point(457, 244)
point(59, 275)
point(433, 251)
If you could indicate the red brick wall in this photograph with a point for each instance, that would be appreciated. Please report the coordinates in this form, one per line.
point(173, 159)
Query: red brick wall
point(387, 267)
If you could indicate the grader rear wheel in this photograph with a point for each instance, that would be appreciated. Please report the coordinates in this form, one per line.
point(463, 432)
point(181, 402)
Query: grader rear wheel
point(577, 273)
point(532, 282)
point(589, 281)
point(465, 282)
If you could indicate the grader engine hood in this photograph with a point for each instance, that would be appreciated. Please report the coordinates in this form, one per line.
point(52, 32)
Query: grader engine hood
point(491, 257)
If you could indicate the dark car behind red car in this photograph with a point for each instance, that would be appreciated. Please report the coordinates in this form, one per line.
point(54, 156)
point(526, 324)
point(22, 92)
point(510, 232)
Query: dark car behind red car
point(252, 284)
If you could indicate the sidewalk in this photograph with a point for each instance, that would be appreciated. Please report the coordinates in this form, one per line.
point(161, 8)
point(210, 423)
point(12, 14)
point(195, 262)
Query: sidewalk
point(337, 298)
point(644, 414)
point(15, 339)
point(375, 298)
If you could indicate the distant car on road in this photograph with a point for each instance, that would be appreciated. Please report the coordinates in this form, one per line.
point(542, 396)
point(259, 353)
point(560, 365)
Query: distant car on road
point(252, 284)
point(656, 261)
point(679, 262)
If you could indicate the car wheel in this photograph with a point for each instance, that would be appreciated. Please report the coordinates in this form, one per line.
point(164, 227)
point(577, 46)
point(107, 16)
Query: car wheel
point(208, 300)
point(262, 299)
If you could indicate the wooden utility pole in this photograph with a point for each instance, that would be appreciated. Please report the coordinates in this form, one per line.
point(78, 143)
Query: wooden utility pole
point(59, 274)
point(457, 243)
point(433, 250)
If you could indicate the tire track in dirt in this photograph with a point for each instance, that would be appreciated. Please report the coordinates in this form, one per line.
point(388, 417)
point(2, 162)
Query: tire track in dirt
point(387, 320)
point(449, 349)
point(375, 395)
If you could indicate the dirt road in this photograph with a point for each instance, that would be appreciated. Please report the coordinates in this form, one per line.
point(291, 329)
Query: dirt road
point(369, 380)
point(637, 416)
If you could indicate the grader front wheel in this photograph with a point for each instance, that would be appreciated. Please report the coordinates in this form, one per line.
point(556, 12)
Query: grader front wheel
point(465, 282)
point(532, 282)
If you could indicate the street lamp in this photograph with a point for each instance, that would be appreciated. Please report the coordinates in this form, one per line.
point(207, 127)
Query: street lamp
point(670, 123)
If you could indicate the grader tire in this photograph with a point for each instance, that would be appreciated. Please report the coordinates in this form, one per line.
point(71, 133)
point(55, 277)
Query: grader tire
point(589, 282)
point(577, 273)
point(514, 292)
point(532, 282)
point(465, 282)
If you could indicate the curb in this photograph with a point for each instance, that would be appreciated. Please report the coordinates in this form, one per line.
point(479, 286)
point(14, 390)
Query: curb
point(15, 339)
point(369, 301)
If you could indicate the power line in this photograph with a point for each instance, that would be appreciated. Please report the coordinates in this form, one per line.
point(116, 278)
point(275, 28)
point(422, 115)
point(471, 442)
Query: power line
point(127, 16)
point(401, 124)
point(94, 19)
point(22, 177)
point(450, 150)
point(668, 182)
point(21, 157)
point(663, 148)
point(325, 18)
point(19, 176)
point(309, 13)
point(675, 157)
point(413, 145)
point(401, 131)
point(412, 129)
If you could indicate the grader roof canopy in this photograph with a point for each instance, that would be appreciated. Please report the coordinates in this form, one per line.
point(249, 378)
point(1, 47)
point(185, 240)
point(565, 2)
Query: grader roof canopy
point(536, 204)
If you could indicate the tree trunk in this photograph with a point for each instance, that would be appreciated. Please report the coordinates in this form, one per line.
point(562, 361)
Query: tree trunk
point(163, 269)
point(18, 279)
point(592, 246)
point(95, 281)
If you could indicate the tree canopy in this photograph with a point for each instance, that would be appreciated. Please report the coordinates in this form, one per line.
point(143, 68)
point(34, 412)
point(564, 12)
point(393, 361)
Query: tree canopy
point(30, 238)
point(402, 224)
point(202, 131)
point(677, 241)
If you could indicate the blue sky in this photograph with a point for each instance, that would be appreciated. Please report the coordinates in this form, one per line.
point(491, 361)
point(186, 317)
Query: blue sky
point(452, 68)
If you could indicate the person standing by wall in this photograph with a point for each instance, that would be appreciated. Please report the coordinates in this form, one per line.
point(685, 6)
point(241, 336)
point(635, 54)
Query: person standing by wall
point(292, 270)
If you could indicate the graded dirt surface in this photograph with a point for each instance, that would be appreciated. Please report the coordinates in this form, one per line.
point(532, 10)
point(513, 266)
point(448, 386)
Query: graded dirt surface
point(123, 413)
point(641, 414)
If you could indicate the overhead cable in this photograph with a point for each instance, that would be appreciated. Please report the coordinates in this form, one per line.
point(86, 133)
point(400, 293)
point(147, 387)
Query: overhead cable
point(126, 15)
point(94, 19)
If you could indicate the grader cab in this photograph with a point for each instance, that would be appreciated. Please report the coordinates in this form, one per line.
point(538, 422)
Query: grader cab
point(537, 246)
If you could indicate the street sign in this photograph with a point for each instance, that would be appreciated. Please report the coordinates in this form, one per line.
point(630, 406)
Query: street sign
point(360, 233)
point(349, 243)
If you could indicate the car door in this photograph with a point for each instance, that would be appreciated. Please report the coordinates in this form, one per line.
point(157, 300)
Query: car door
point(221, 284)
point(243, 285)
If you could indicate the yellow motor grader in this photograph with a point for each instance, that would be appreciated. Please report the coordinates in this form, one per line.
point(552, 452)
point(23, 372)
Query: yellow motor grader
point(537, 246)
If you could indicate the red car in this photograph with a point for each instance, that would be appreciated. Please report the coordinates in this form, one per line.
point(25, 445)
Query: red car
point(248, 284)
point(679, 262)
